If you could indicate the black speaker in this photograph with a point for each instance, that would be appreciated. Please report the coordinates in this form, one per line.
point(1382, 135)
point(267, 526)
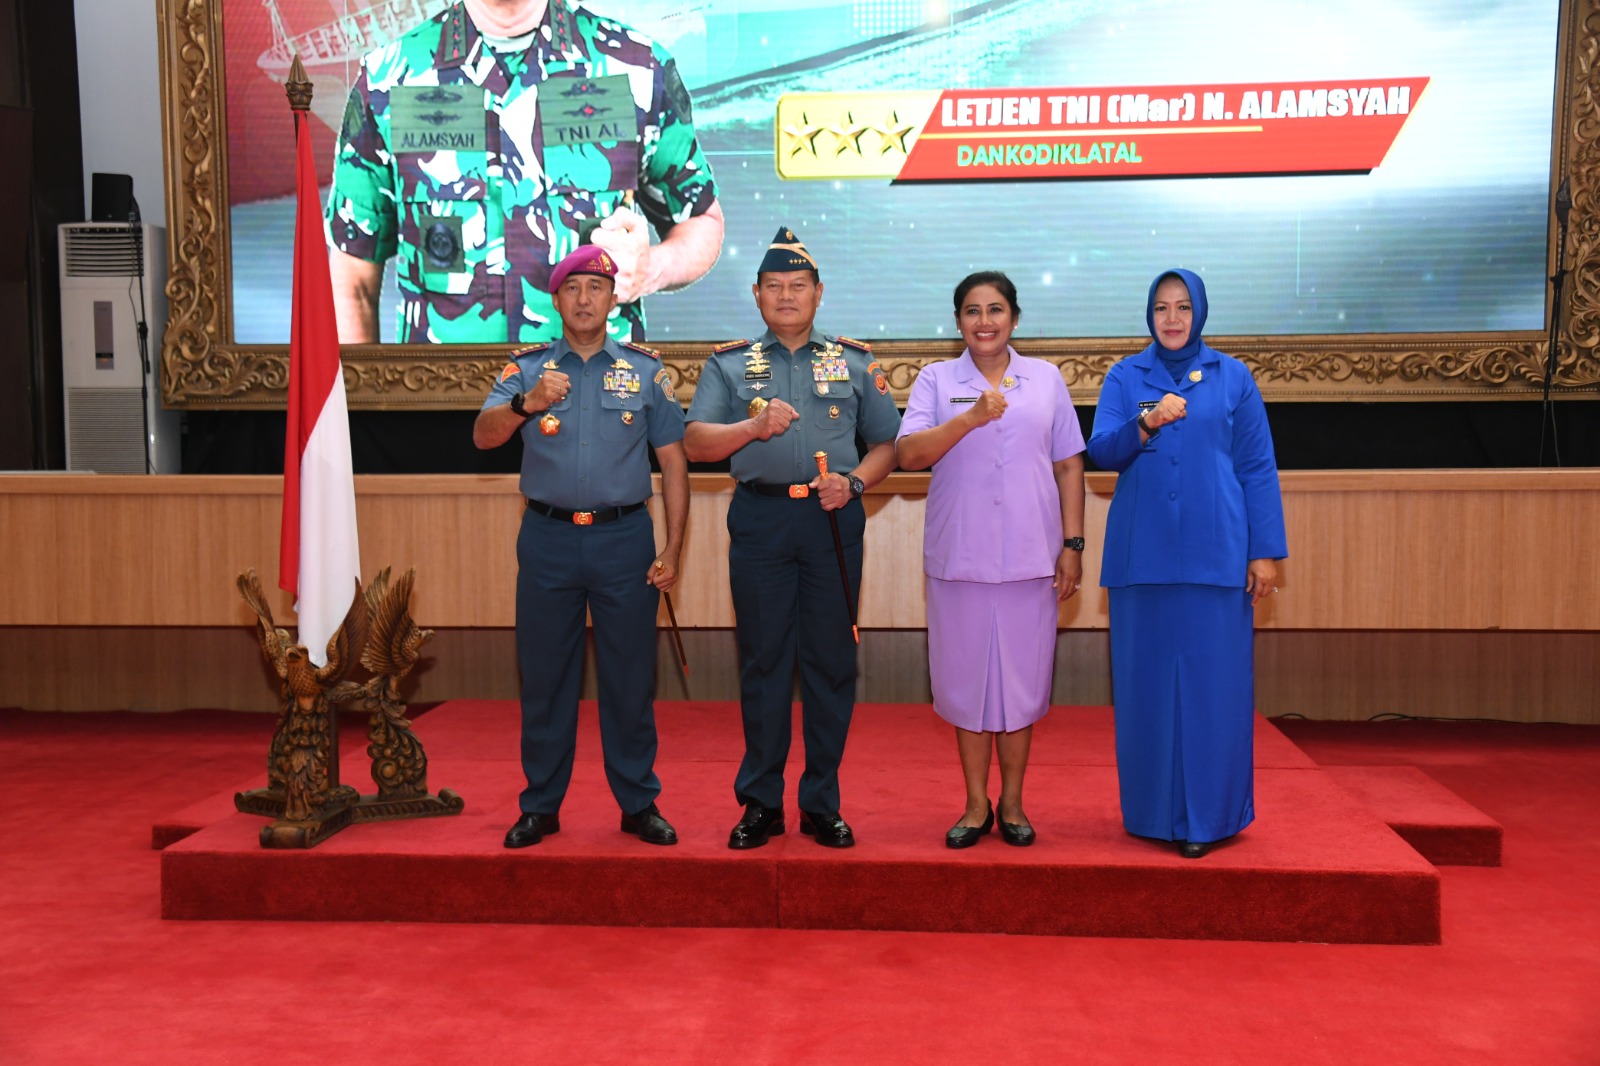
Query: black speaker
point(112, 199)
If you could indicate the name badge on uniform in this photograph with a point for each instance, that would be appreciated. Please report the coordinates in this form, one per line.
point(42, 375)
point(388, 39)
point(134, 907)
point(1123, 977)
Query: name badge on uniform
point(963, 399)
point(579, 111)
point(438, 118)
point(1148, 405)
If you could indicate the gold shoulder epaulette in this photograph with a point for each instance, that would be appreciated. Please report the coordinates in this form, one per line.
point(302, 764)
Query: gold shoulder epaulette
point(718, 349)
point(859, 345)
point(532, 348)
point(642, 350)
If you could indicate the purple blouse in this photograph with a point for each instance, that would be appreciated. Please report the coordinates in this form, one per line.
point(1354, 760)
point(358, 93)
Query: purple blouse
point(993, 512)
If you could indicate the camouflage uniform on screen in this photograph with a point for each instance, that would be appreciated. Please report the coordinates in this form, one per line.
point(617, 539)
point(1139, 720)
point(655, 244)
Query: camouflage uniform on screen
point(483, 170)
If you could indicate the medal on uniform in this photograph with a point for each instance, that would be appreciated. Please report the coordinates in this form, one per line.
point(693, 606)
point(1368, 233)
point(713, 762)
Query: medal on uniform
point(627, 418)
point(1194, 375)
point(829, 366)
point(833, 412)
point(621, 379)
point(1008, 381)
point(550, 364)
point(756, 364)
point(757, 405)
point(549, 424)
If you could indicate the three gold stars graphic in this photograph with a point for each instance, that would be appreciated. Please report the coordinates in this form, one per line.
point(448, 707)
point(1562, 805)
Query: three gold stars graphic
point(847, 134)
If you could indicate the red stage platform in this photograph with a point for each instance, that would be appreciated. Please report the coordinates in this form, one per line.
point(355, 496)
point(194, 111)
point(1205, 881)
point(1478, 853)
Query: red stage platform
point(1317, 864)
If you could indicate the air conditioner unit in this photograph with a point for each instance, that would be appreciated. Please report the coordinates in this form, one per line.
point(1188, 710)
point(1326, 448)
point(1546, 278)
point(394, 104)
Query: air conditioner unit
point(113, 276)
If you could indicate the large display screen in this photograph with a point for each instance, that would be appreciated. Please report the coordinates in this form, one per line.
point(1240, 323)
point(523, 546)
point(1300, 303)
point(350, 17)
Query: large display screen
point(1371, 166)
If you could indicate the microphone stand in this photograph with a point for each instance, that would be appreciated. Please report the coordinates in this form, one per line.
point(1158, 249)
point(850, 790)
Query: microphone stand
point(142, 327)
point(1547, 418)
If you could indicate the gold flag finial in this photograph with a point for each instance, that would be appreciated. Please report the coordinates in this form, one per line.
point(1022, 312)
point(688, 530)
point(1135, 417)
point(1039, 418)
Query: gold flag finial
point(298, 87)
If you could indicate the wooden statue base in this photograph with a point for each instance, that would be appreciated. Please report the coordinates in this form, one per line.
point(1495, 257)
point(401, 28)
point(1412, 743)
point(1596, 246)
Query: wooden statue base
point(389, 808)
point(346, 808)
point(334, 815)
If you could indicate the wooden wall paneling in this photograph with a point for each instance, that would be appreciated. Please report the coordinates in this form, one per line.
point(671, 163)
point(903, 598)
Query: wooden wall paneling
point(1525, 677)
point(1545, 560)
point(1472, 550)
point(1522, 677)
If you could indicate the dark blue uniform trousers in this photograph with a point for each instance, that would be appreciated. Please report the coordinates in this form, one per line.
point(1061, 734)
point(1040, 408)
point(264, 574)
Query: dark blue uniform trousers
point(562, 570)
point(787, 599)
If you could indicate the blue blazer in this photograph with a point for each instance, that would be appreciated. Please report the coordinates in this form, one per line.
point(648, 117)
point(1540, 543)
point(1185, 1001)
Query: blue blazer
point(1197, 502)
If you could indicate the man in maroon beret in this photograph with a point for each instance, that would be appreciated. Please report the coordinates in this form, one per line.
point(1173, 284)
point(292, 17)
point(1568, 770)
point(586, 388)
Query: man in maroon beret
point(586, 407)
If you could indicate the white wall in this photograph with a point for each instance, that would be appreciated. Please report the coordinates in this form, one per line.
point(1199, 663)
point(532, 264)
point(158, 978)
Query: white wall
point(119, 93)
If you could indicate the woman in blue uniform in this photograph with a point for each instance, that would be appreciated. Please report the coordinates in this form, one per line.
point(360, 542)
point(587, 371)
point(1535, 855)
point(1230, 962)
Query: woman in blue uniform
point(1192, 539)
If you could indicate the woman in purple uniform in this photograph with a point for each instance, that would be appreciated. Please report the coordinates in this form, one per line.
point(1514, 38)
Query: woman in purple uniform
point(1002, 542)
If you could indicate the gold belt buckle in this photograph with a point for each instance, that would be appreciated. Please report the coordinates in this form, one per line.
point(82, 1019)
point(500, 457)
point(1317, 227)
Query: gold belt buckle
point(799, 492)
point(583, 518)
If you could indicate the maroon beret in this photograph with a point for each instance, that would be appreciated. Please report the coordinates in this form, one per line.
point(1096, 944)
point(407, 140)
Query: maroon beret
point(588, 259)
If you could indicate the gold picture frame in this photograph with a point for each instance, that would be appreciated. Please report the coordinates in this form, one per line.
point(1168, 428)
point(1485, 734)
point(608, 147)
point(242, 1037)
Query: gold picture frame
point(201, 368)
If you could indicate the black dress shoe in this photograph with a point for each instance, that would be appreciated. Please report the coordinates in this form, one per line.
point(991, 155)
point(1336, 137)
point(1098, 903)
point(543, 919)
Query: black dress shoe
point(964, 836)
point(1192, 849)
point(650, 827)
point(756, 826)
point(532, 828)
point(1018, 836)
point(830, 830)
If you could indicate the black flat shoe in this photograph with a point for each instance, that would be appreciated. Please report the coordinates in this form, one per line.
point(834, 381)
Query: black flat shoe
point(1018, 836)
point(756, 826)
point(532, 828)
point(1192, 849)
point(650, 827)
point(964, 836)
point(830, 830)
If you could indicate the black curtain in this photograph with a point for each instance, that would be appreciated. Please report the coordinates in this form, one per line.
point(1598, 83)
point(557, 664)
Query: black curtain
point(1308, 436)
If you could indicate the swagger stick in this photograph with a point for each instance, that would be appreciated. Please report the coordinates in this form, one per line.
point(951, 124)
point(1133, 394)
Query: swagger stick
point(677, 638)
point(838, 552)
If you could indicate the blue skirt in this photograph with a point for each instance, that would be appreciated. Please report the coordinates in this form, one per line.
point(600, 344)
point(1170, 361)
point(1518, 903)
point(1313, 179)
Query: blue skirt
point(1183, 683)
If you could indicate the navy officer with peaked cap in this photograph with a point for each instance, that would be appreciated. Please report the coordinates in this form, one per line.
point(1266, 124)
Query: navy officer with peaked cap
point(767, 407)
point(586, 406)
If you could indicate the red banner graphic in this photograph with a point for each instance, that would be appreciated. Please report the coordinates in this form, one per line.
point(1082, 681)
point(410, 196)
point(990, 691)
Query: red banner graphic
point(1162, 131)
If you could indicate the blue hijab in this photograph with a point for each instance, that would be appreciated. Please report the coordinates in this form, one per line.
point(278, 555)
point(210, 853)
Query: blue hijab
point(1178, 360)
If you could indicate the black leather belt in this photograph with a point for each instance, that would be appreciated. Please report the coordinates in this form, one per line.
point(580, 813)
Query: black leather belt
point(794, 492)
point(584, 518)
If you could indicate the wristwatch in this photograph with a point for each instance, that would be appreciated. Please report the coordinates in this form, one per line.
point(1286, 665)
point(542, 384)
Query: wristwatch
point(857, 486)
point(1075, 543)
point(518, 408)
point(1148, 431)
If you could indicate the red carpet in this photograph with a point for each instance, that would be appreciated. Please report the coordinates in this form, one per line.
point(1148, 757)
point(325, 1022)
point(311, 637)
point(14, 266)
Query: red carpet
point(89, 972)
point(1444, 828)
point(1316, 865)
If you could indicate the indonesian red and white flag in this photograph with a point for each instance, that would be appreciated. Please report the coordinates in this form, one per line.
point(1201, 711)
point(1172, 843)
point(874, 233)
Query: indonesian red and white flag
point(319, 556)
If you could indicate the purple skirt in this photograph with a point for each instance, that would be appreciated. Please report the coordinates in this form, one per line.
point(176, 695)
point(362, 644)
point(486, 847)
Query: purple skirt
point(991, 652)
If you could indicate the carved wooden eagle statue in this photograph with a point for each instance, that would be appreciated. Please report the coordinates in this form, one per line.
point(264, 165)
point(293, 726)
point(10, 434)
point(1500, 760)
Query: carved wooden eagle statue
point(395, 641)
point(303, 679)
